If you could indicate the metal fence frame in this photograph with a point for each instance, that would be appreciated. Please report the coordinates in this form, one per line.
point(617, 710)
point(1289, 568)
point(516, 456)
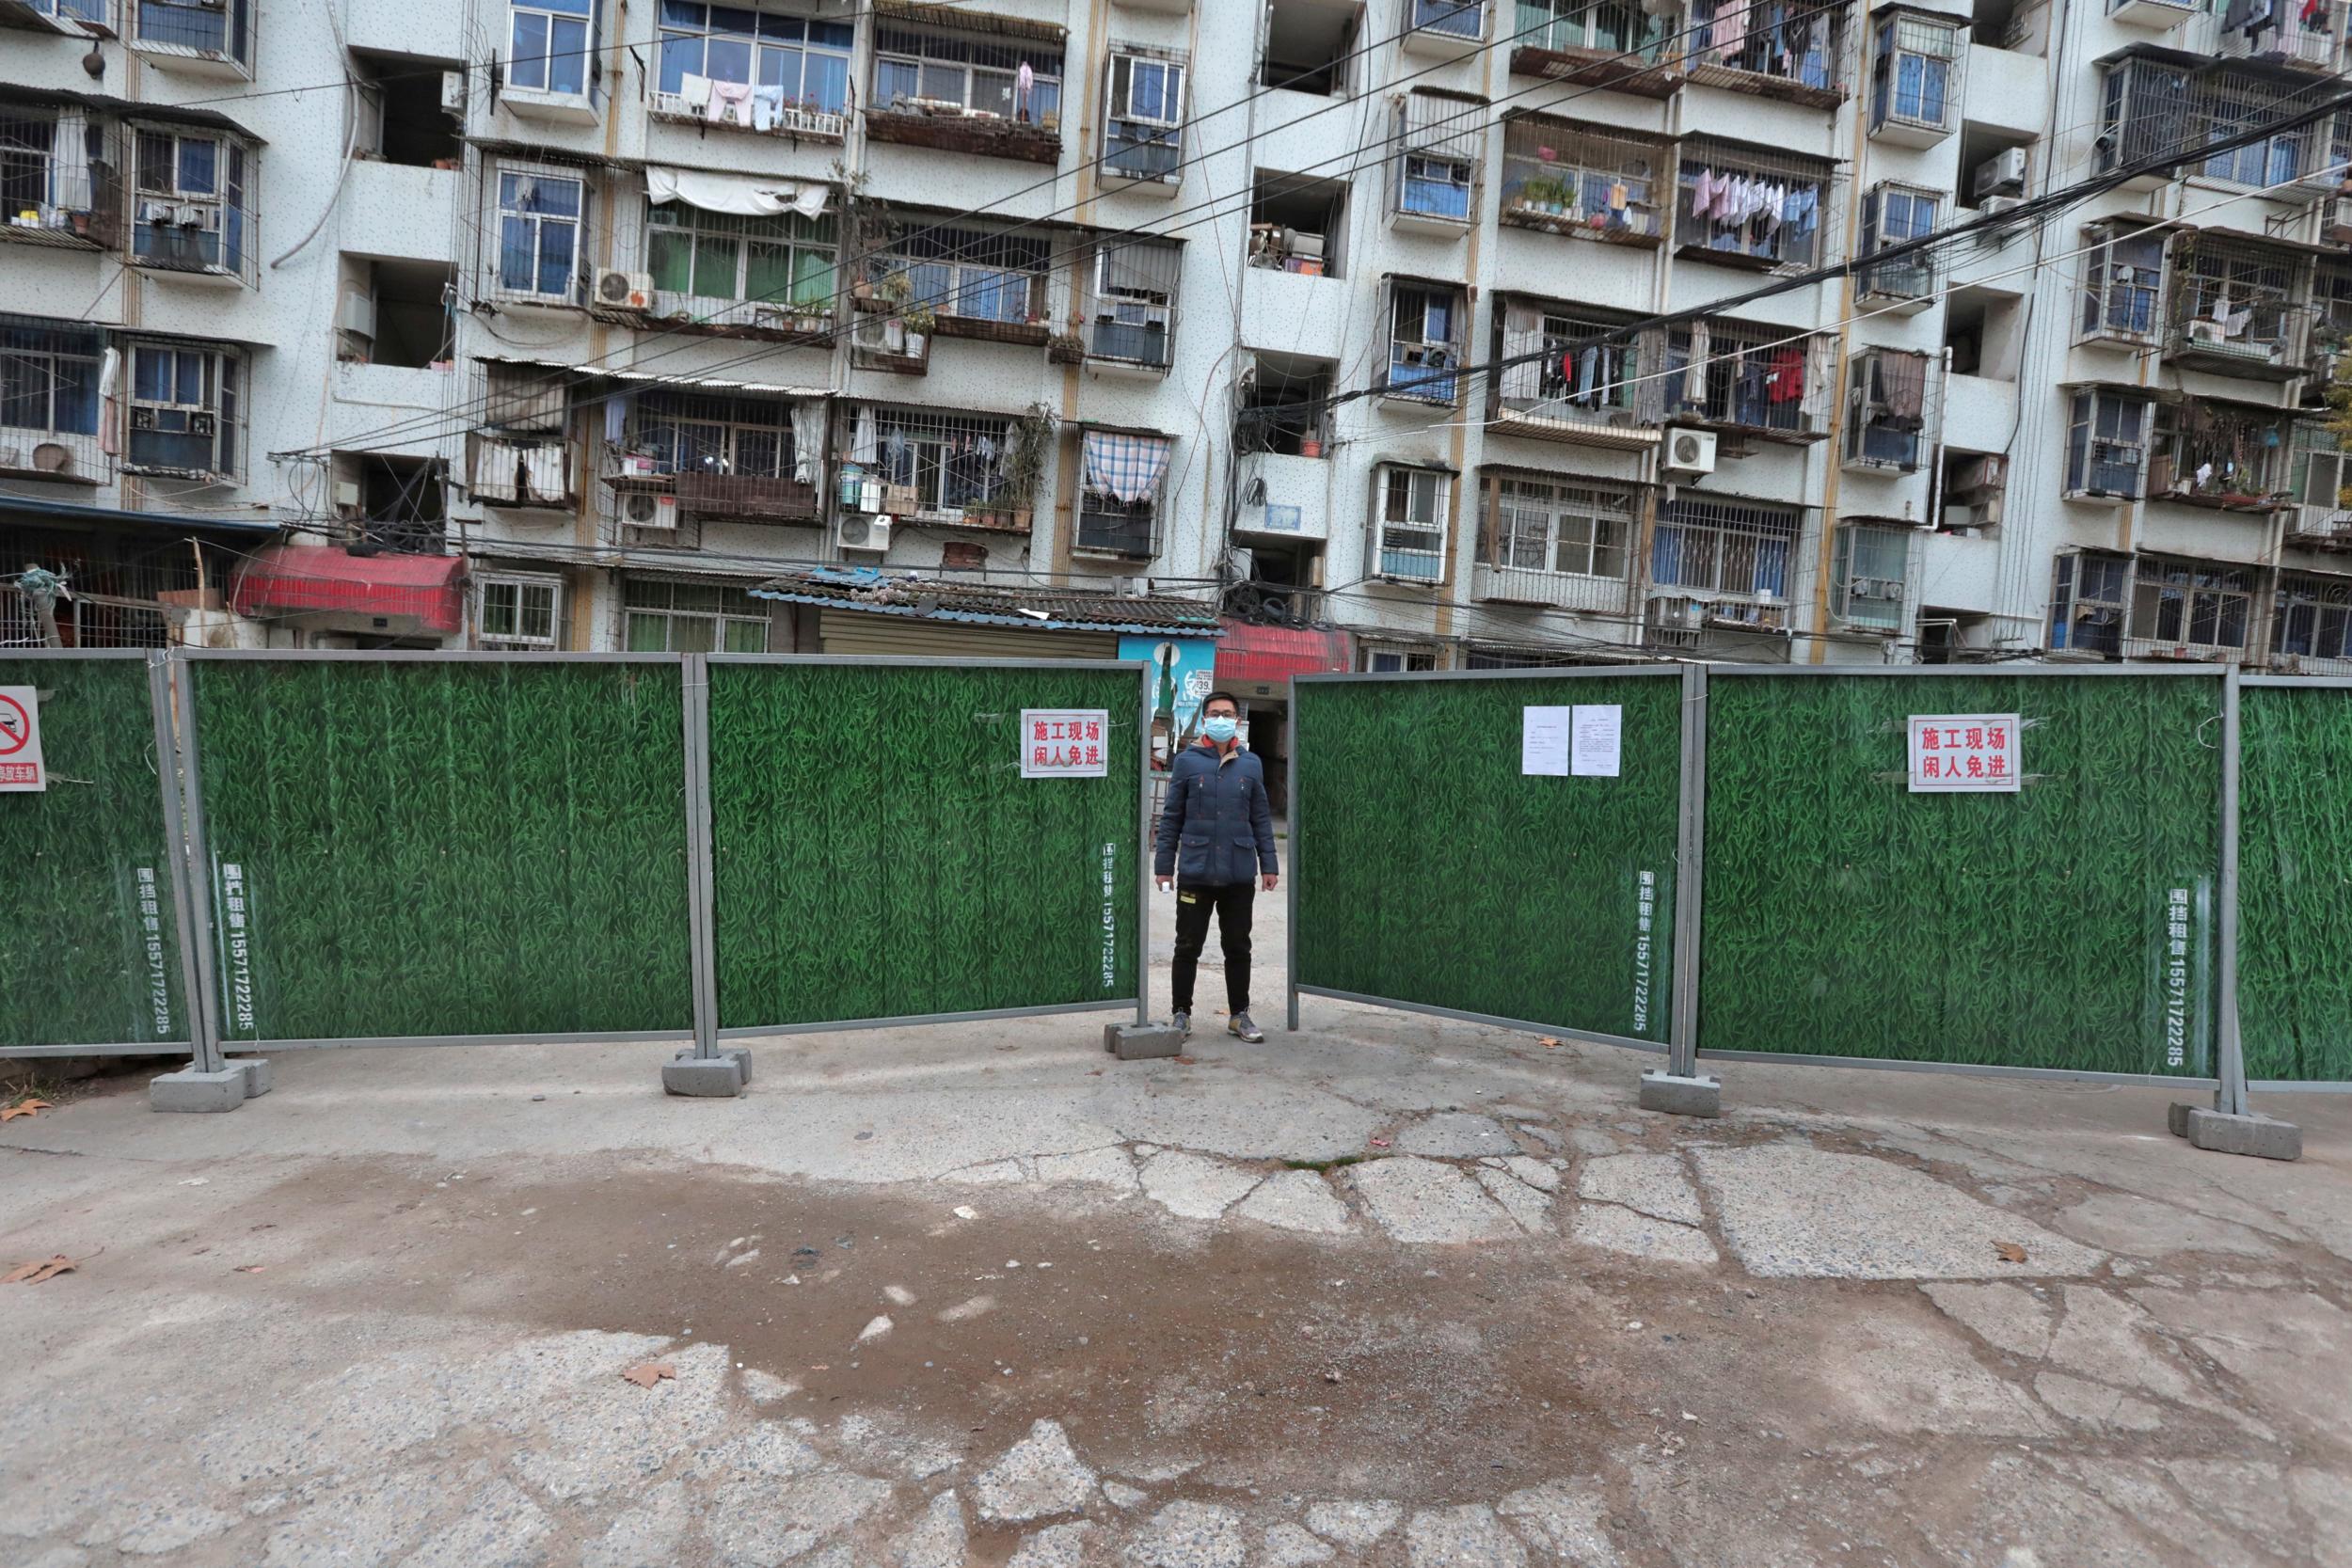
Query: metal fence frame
point(699, 806)
point(167, 784)
point(2229, 1084)
point(2293, 683)
point(1686, 829)
point(201, 854)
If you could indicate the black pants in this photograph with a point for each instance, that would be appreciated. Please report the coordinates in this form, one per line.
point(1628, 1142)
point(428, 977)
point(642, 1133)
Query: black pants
point(1233, 906)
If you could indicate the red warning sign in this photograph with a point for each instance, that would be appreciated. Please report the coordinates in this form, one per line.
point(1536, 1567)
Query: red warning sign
point(21, 768)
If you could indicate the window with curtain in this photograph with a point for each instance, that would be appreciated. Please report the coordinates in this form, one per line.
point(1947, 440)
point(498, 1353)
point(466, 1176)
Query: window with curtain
point(49, 380)
point(1912, 78)
point(1426, 344)
point(709, 260)
point(807, 59)
point(540, 216)
point(1723, 546)
point(684, 432)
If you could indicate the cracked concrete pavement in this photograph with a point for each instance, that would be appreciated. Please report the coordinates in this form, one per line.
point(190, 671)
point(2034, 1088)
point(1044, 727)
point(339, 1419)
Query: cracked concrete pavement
point(1392, 1290)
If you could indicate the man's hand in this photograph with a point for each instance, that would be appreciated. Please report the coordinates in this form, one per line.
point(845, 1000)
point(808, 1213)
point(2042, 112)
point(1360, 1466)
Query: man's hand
point(1269, 879)
point(1167, 884)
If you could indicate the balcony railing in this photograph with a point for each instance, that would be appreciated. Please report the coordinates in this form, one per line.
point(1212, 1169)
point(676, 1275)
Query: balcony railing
point(1742, 48)
point(52, 456)
point(2287, 36)
point(734, 498)
point(201, 237)
point(1748, 382)
point(64, 16)
point(1613, 43)
point(1589, 184)
point(803, 120)
point(951, 129)
point(1133, 150)
point(2261, 335)
point(2232, 461)
point(1129, 343)
point(1106, 528)
point(1427, 373)
point(1520, 585)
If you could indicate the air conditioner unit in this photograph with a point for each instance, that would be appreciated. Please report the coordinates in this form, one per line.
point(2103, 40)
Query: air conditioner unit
point(1982, 476)
point(142, 416)
point(347, 493)
point(196, 215)
point(1992, 205)
point(858, 531)
point(199, 425)
point(644, 510)
point(1690, 451)
point(156, 212)
point(2004, 174)
point(1306, 245)
point(2204, 331)
point(1677, 614)
point(1986, 513)
point(359, 315)
point(625, 291)
point(454, 92)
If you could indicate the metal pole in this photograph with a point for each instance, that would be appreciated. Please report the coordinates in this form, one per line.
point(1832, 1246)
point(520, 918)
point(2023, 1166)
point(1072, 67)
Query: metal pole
point(211, 1050)
point(2230, 1097)
point(1290, 943)
point(694, 676)
point(1682, 1053)
point(202, 1051)
point(1143, 848)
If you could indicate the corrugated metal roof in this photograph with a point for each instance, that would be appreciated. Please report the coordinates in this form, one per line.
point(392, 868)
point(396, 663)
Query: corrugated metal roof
point(647, 379)
point(989, 604)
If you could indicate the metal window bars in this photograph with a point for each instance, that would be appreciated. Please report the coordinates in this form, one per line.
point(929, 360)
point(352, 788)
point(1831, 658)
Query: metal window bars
point(1434, 173)
point(1735, 557)
point(716, 457)
point(2291, 35)
point(1556, 542)
point(1409, 523)
point(1777, 49)
point(2155, 107)
point(190, 204)
point(184, 417)
point(1868, 574)
point(220, 30)
point(1622, 32)
point(1894, 410)
point(1126, 288)
point(1916, 66)
point(2311, 626)
point(2122, 286)
point(1891, 215)
point(2198, 610)
point(722, 270)
point(963, 275)
point(1558, 379)
point(120, 593)
point(1586, 181)
point(1425, 341)
point(520, 452)
point(934, 467)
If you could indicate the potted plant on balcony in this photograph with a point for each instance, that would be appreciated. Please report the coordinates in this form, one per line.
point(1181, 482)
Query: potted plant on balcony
point(1028, 452)
point(1068, 347)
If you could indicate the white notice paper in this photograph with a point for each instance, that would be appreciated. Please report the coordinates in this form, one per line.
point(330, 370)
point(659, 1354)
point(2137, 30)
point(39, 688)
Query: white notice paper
point(1600, 740)
point(1544, 741)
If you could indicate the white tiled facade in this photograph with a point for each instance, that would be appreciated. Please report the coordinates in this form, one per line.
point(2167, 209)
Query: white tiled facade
point(2008, 448)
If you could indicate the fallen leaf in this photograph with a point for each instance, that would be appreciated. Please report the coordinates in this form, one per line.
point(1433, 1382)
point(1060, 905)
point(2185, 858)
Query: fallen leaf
point(1378, 1143)
point(1549, 1042)
point(650, 1373)
point(250, 1268)
point(37, 1270)
point(25, 1108)
point(1184, 1061)
point(2009, 1251)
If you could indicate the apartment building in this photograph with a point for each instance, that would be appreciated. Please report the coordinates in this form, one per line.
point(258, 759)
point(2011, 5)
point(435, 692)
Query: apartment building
point(1034, 325)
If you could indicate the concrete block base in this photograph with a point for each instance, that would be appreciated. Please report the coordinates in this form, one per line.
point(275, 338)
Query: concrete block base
point(201, 1092)
point(1134, 1042)
point(1681, 1097)
point(741, 1057)
point(703, 1077)
point(2176, 1117)
point(2261, 1137)
point(257, 1075)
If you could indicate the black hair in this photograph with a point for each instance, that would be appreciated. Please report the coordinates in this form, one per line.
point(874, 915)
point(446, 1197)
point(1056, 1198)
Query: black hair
point(1221, 697)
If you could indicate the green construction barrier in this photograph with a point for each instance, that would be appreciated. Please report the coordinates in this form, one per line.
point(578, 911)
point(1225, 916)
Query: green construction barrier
point(1846, 916)
point(90, 950)
point(878, 854)
point(405, 848)
point(1435, 872)
point(2295, 881)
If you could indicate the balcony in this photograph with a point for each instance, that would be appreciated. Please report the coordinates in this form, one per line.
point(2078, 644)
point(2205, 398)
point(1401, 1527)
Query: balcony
point(1894, 411)
point(1422, 373)
point(204, 241)
point(384, 210)
point(1718, 220)
point(1555, 380)
point(2292, 43)
point(2253, 336)
point(2221, 457)
point(1584, 182)
point(1902, 287)
point(49, 203)
point(1742, 379)
point(977, 133)
point(523, 472)
point(2160, 15)
point(59, 16)
point(1143, 157)
point(725, 498)
point(1542, 590)
point(1285, 498)
point(2171, 652)
point(1728, 45)
point(795, 122)
point(1443, 29)
point(1621, 46)
point(53, 456)
point(195, 38)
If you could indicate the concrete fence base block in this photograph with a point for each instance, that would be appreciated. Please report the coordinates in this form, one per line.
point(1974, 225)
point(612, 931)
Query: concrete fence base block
point(703, 1077)
point(2176, 1116)
point(741, 1057)
point(257, 1075)
point(2262, 1137)
point(1134, 1042)
point(203, 1092)
point(1681, 1097)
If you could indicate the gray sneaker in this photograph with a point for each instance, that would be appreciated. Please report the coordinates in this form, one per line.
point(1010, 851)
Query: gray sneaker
point(1240, 1025)
point(1183, 1022)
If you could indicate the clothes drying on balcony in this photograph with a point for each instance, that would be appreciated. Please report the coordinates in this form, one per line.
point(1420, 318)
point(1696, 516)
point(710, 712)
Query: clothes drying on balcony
point(1126, 466)
point(1770, 38)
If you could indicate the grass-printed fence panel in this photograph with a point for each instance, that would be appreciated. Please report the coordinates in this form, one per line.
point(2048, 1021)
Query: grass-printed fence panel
point(1846, 916)
point(90, 954)
point(1433, 871)
point(876, 852)
point(2295, 882)
point(444, 847)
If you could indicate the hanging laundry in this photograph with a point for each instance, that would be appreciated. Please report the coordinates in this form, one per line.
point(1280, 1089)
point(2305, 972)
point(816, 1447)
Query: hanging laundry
point(730, 102)
point(695, 91)
point(1731, 28)
point(1023, 89)
point(1784, 374)
point(1695, 376)
point(767, 107)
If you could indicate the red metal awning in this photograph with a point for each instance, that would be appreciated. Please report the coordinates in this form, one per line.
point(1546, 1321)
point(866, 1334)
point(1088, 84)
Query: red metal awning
point(425, 591)
point(1251, 655)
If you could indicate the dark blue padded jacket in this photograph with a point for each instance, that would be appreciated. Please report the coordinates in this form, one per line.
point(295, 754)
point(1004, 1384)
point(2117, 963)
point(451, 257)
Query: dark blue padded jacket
point(1217, 826)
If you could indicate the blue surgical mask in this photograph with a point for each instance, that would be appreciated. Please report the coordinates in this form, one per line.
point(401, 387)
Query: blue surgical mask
point(1220, 729)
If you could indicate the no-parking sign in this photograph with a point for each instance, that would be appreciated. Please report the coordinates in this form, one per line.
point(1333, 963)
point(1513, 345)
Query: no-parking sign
point(19, 740)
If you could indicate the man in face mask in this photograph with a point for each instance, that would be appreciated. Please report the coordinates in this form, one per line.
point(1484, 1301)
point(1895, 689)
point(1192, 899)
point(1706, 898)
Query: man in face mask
point(1216, 848)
